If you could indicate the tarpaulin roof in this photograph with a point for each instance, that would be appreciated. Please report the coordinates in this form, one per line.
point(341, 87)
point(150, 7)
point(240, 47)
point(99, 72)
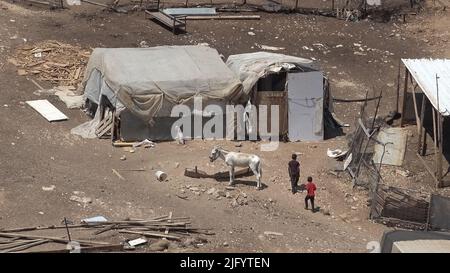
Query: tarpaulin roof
point(250, 67)
point(424, 72)
point(143, 78)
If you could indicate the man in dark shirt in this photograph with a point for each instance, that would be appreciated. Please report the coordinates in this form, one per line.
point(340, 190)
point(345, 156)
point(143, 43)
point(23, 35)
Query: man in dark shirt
point(311, 192)
point(294, 172)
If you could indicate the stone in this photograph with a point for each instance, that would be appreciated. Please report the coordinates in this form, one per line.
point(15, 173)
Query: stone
point(81, 200)
point(211, 191)
point(50, 188)
point(228, 195)
point(177, 164)
point(123, 158)
point(325, 211)
point(344, 217)
point(221, 193)
point(225, 244)
point(160, 245)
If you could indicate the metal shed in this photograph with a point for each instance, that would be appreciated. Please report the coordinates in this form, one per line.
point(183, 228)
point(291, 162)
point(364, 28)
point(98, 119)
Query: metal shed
point(429, 82)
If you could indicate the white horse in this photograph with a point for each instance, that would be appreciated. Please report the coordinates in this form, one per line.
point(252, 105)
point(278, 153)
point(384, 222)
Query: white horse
point(233, 159)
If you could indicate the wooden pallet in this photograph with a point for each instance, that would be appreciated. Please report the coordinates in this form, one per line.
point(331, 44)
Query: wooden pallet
point(105, 126)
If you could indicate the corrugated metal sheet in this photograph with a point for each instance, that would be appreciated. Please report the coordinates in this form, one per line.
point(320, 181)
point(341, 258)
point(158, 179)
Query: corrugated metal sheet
point(424, 72)
point(190, 11)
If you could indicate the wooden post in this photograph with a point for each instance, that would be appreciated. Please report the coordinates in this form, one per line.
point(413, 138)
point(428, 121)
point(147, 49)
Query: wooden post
point(398, 87)
point(405, 91)
point(436, 152)
point(440, 154)
point(416, 111)
point(296, 5)
point(332, 5)
point(421, 149)
point(440, 135)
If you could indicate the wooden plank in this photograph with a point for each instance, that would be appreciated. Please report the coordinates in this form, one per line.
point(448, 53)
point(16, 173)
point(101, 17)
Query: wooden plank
point(427, 167)
point(151, 234)
point(54, 239)
point(416, 111)
point(47, 110)
point(223, 17)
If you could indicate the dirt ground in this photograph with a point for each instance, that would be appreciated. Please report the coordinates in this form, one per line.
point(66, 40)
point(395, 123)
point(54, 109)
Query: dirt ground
point(35, 153)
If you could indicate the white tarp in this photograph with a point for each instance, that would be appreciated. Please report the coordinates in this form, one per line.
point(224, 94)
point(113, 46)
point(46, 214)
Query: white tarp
point(251, 67)
point(143, 79)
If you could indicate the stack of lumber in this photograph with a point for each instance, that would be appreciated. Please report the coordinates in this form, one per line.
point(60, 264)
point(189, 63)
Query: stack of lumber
point(168, 227)
point(53, 61)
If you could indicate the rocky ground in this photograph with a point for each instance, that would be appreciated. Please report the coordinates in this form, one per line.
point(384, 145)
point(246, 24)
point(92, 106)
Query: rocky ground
point(46, 172)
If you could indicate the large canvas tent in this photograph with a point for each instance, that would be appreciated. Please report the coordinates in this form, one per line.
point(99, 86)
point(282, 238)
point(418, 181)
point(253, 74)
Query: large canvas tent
point(144, 84)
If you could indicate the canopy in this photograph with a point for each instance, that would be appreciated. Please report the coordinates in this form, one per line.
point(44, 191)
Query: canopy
point(143, 79)
point(250, 67)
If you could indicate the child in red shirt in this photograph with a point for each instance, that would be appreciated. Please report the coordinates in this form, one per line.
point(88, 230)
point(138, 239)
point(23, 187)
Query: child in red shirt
point(310, 189)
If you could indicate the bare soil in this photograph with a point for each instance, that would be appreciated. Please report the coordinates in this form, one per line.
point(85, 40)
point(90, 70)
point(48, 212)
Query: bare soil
point(36, 154)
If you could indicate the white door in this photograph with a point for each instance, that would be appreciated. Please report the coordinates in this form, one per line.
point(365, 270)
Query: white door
point(305, 106)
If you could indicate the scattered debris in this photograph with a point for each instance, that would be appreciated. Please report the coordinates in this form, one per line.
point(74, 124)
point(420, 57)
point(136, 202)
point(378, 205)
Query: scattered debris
point(179, 228)
point(47, 110)
point(251, 33)
point(81, 200)
point(123, 157)
point(338, 153)
point(138, 241)
point(271, 233)
point(161, 176)
point(58, 63)
point(118, 174)
point(96, 219)
point(160, 245)
point(405, 173)
point(145, 143)
point(50, 188)
point(271, 48)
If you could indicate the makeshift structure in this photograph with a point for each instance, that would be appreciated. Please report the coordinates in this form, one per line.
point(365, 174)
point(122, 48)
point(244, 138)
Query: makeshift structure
point(427, 83)
point(133, 91)
point(142, 85)
point(294, 84)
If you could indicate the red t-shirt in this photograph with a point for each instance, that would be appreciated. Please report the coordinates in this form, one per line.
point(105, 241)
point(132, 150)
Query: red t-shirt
point(310, 188)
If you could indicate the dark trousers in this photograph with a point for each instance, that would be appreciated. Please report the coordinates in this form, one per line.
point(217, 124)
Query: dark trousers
point(311, 198)
point(294, 182)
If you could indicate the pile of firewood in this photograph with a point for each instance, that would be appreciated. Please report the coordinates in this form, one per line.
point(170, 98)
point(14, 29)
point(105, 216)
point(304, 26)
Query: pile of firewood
point(53, 61)
point(168, 227)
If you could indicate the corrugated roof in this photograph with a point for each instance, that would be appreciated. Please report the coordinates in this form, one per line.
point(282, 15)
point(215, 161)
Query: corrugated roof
point(424, 72)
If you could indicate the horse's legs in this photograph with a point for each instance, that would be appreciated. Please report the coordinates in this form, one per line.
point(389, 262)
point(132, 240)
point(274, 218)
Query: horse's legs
point(231, 175)
point(257, 174)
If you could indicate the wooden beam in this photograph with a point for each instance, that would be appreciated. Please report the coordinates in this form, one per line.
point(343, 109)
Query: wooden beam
point(440, 154)
point(416, 111)
point(398, 87)
point(428, 168)
point(421, 149)
point(405, 91)
point(224, 17)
